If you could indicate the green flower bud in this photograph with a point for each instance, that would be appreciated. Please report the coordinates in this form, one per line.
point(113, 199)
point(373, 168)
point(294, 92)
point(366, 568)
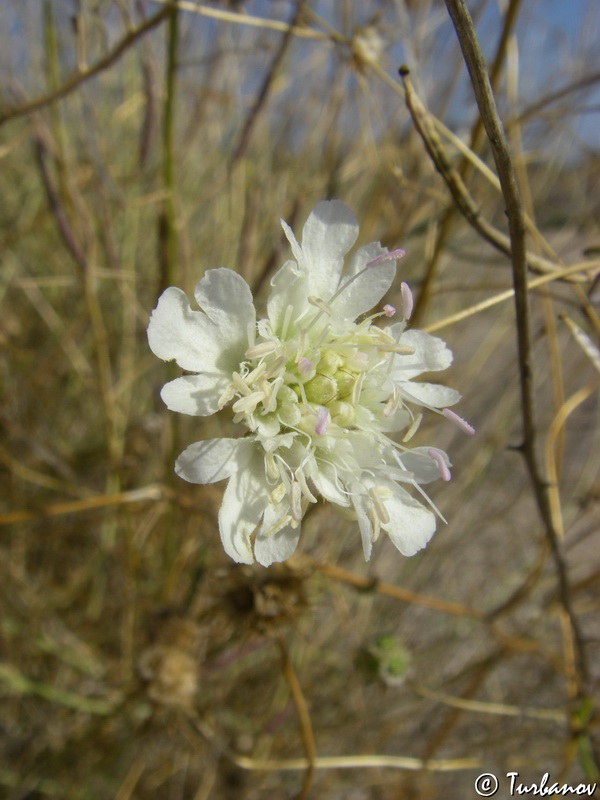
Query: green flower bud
point(345, 381)
point(330, 362)
point(342, 414)
point(321, 389)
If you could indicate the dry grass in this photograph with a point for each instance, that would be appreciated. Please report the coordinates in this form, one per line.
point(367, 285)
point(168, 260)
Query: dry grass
point(136, 660)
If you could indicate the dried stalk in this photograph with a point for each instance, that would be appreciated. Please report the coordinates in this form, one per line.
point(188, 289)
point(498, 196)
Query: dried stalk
point(453, 180)
point(516, 222)
point(510, 18)
point(303, 717)
point(167, 218)
point(389, 590)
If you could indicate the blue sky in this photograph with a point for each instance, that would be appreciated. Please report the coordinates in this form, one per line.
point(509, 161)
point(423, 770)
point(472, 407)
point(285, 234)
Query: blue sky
point(558, 42)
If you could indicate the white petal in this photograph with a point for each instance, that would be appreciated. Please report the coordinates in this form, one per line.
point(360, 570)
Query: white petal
point(227, 300)
point(323, 476)
point(244, 502)
point(366, 290)
point(177, 332)
point(411, 525)
point(195, 394)
point(363, 255)
point(296, 249)
point(429, 394)
point(398, 421)
point(366, 450)
point(329, 232)
point(214, 459)
point(288, 288)
point(431, 354)
point(279, 546)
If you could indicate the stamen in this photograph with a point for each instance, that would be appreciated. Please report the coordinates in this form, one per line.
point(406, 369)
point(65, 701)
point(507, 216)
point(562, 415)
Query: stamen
point(301, 345)
point(256, 373)
point(388, 309)
point(413, 482)
point(262, 349)
point(271, 467)
point(271, 390)
point(393, 255)
point(275, 367)
point(302, 392)
point(278, 493)
point(249, 403)
point(441, 465)
point(240, 384)
point(400, 349)
point(286, 320)
point(314, 301)
point(304, 486)
point(392, 404)
point(322, 421)
point(227, 395)
point(413, 428)
point(296, 496)
point(407, 300)
point(267, 389)
point(357, 389)
point(429, 501)
point(374, 520)
point(277, 526)
point(380, 509)
point(382, 335)
point(458, 421)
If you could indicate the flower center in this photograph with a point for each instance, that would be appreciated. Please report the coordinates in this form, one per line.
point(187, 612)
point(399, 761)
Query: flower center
point(317, 377)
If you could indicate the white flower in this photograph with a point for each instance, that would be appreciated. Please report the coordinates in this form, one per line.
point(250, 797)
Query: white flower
point(316, 391)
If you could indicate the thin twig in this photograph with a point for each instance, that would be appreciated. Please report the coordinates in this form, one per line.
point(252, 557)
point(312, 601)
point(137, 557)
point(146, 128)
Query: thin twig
point(554, 431)
point(148, 493)
point(389, 590)
point(489, 302)
point(246, 19)
point(501, 709)
point(81, 75)
point(539, 105)
point(263, 93)
point(56, 207)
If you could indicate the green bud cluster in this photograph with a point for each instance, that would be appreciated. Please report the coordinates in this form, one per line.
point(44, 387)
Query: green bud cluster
point(331, 386)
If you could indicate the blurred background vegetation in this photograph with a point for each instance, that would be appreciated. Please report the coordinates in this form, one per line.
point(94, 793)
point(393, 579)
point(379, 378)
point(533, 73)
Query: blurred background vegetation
point(141, 144)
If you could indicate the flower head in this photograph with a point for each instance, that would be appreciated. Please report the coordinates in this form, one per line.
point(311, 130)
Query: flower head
point(317, 387)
